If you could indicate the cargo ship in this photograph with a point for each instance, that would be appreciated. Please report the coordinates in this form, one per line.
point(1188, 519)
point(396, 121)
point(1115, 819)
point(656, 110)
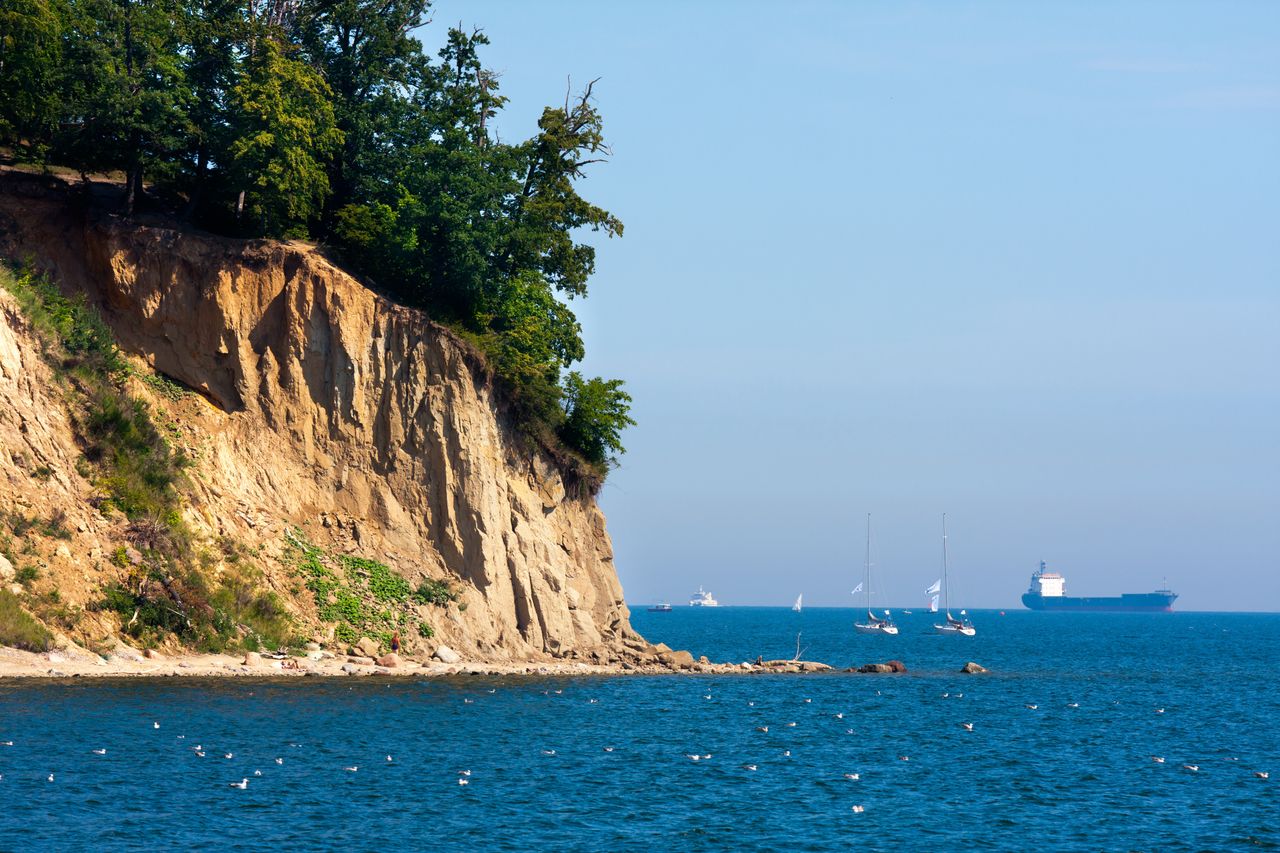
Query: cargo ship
point(1048, 592)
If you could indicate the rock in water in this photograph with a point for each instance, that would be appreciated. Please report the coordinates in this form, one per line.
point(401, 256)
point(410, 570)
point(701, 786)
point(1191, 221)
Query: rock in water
point(971, 668)
point(875, 667)
point(896, 666)
point(447, 655)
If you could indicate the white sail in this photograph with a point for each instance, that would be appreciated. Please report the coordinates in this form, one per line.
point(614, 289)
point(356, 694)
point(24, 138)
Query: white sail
point(799, 603)
point(935, 589)
point(933, 604)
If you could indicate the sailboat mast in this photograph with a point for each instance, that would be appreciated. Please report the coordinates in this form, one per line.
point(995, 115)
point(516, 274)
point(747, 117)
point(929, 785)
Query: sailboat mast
point(946, 586)
point(866, 581)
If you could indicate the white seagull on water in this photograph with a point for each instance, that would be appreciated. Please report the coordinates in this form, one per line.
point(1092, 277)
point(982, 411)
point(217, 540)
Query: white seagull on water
point(242, 784)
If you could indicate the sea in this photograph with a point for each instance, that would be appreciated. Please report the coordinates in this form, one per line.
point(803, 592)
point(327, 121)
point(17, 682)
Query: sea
point(1067, 728)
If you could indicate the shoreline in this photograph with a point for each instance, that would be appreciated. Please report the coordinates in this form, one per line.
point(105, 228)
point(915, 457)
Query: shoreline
point(130, 663)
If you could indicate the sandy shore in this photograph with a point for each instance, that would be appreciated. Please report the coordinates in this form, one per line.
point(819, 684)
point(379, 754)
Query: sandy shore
point(131, 663)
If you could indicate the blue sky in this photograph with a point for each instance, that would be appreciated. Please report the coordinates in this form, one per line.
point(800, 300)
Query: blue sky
point(1018, 262)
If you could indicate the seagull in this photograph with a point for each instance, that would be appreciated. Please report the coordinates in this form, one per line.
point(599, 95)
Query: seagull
point(1262, 774)
point(959, 696)
point(1158, 759)
point(99, 752)
point(559, 692)
point(493, 690)
point(468, 701)
point(608, 749)
point(857, 809)
point(50, 777)
point(548, 752)
point(242, 784)
point(749, 705)
point(182, 737)
point(707, 755)
point(807, 701)
point(199, 754)
point(1073, 704)
point(762, 728)
point(968, 727)
point(464, 772)
point(197, 747)
point(1192, 767)
point(852, 777)
point(748, 767)
point(1159, 710)
point(6, 743)
point(786, 753)
point(228, 755)
point(839, 715)
point(463, 781)
point(279, 761)
point(692, 756)
point(352, 769)
point(848, 731)
point(257, 773)
point(155, 725)
point(707, 696)
point(946, 695)
point(791, 725)
point(594, 701)
point(388, 758)
point(904, 758)
point(1032, 707)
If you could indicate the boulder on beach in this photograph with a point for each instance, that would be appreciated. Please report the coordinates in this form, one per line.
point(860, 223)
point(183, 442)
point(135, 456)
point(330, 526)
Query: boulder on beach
point(391, 660)
point(447, 655)
point(972, 668)
point(252, 659)
point(677, 660)
point(367, 648)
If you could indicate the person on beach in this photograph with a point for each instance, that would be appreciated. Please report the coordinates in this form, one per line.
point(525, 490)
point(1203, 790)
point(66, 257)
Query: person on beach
point(395, 642)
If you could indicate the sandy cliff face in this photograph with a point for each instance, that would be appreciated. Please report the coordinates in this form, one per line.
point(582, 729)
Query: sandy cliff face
point(324, 407)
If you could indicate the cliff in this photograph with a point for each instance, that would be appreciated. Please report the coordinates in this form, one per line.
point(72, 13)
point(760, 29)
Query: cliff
point(318, 407)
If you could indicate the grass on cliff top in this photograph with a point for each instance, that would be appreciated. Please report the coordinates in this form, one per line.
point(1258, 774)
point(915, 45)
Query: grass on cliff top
point(18, 628)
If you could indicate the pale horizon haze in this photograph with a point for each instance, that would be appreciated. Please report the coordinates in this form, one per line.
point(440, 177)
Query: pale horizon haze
point(1019, 263)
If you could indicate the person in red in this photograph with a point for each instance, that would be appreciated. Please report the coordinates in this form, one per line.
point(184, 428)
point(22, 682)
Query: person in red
point(395, 642)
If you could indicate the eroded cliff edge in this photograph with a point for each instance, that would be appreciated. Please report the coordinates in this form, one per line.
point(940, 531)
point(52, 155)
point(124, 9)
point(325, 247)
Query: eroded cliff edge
point(321, 407)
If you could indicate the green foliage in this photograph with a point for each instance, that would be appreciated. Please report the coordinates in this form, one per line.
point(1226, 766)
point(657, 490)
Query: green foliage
point(435, 592)
point(18, 628)
point(26, 574)
point(597, 410)
point(30, 59)
point(284, 135)
point(72, 330)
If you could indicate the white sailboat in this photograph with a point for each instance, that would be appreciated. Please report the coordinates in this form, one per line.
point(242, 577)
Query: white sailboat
point(799, 603)
point(874, 624)
point(952, 626)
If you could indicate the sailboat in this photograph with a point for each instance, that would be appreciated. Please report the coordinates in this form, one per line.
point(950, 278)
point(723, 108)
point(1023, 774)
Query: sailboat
point(874, 624)
point(952, 626)
point(799, 603)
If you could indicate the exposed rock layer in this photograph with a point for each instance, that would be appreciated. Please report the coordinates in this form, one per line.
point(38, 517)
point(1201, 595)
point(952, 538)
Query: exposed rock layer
point(325, 407)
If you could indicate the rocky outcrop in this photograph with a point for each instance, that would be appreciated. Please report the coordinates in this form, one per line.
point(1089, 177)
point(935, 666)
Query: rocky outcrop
point(325, 408)
point(972, 668)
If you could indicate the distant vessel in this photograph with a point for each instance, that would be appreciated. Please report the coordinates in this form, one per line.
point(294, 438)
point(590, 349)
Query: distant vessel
point(799, 603)
point(660, 608)
point(1048, 592)
point(952, 626)
point(874, 624)
point(702, 598)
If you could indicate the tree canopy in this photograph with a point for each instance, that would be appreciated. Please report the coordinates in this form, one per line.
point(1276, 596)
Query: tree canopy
point(328, 119)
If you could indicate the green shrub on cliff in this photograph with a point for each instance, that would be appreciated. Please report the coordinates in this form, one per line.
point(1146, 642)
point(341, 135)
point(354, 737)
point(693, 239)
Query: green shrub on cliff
point(17, 627)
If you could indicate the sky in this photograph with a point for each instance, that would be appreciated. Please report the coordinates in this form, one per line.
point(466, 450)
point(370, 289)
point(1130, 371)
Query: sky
point(1014, 262)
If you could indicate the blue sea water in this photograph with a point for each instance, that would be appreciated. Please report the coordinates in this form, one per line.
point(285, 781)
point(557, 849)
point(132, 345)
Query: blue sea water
point(1054, 778)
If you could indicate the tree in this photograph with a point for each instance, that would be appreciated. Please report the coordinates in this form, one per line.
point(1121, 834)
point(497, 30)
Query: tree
point(284, 135)
point(30, 59)
point(596, 412)
point(125, 91)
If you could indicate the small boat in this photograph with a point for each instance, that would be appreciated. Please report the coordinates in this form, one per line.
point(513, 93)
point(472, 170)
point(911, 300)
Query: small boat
point(952, 626)
point(660, 608)
point(702, 598)
point(874, 624)
point(799, 605)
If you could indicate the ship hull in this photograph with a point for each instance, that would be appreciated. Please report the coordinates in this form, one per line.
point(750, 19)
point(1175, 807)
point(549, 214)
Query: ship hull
point(1150, 602)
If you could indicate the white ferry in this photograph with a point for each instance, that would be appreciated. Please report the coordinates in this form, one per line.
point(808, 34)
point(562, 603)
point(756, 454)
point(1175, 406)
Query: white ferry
point(702, 598)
